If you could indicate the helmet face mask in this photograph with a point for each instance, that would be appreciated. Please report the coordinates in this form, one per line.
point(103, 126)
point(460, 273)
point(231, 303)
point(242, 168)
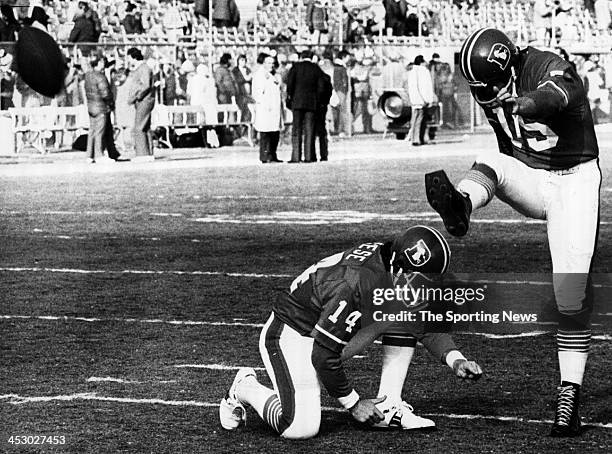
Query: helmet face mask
point(485, 94)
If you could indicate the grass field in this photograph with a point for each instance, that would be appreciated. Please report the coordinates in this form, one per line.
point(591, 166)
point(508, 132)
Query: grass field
point(131, 293)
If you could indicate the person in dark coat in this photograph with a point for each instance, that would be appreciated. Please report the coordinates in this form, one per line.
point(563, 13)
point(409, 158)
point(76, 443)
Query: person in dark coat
point(242, 76)
point(225, 13)
point(84, 30)
point(302, 87)
point(132, 22)
point(324, 92)
point(100, 104)
point(142, 96)
point(395, 16)
point(224, 79)
point(9, 25)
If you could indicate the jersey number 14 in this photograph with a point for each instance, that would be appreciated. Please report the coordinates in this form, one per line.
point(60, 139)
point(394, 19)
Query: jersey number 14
point(350, 320)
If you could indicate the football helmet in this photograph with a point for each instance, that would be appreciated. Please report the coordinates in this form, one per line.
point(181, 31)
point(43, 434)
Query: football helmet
point(422, 249)
point(487, 60)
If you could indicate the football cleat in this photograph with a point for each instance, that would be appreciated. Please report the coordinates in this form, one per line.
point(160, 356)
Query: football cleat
point(567, 418)
point(232, 412)
point(402, 417)
point(453, 207)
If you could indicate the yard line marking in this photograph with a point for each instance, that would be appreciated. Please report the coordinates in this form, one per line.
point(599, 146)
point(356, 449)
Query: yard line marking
point(506, 336)
point(299, 217)
point(229, 274)
point(63, 212)
point(511, 419)
point(270, 197)
point(123, 381)
point(15, 399)
point(212, 367)
point(155, 272)
point(19, 400)
point(65, 318)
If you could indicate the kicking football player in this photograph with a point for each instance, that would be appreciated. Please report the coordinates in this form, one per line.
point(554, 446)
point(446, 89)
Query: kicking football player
point(547, 168)
point(307, 337)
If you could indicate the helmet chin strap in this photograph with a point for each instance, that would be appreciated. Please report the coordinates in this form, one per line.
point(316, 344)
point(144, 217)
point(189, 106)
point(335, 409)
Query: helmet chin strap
point(396, 276)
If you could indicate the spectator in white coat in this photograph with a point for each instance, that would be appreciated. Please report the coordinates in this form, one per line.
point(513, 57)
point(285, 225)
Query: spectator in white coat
point(268, 110)
point(202, 91)
point(420, 91)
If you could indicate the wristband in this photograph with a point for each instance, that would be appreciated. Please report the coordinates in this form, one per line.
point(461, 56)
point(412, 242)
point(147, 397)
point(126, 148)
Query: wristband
point(453, 356)
point(350, 400)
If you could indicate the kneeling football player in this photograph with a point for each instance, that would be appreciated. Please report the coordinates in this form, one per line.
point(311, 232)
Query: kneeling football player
point(303, 342)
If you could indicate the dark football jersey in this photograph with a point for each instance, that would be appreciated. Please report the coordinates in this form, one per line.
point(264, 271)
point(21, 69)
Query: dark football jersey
point(558, 141)
point(328, 299)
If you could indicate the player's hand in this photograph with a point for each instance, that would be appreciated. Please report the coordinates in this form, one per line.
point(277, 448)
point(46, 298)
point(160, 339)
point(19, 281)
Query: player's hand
point(504, 97)
point(365, 410)
point(467, 370)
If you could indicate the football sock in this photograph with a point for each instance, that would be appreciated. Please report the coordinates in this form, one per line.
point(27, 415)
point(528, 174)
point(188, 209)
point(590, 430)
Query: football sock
point(573, 351)
point(480, 184)
point(250, 391)
point(396, 361)
point(272, 412)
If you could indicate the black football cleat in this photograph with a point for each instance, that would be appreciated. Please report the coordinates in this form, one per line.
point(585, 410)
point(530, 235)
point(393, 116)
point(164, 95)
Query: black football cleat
point(453, 207)
point(567, 419)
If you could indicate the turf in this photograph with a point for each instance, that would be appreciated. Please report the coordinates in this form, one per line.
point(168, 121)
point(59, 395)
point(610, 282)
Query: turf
point(266, 223)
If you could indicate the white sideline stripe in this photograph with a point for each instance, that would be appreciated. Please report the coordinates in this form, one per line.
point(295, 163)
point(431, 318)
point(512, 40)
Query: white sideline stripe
point(63, 212)
point(271, 197)
point(300, 218)
point(65, 318)
point(83, 237)
point(123, 381)
point(15, 399)
point(156, 272)
point(227, 274)
point(507, 336)
point(212, 367)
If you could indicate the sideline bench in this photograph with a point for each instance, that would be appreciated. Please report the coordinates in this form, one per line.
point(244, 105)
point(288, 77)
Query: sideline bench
point(34, 125)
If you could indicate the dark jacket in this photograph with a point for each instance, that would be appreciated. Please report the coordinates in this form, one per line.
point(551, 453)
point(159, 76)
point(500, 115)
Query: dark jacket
point(226, 10)
point(302, 86)
point(317, 17)
point(132, 25)
point(341, 78)
point(226, 85)
point(98, 93)
point(8, 31)
point(141, 85)
point(84, 31)
point(244, 87)
point(395, 15)
point(324, 91)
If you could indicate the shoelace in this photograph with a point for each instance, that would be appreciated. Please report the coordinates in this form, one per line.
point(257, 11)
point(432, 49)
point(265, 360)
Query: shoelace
point(565, 405)
point(407, 406)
